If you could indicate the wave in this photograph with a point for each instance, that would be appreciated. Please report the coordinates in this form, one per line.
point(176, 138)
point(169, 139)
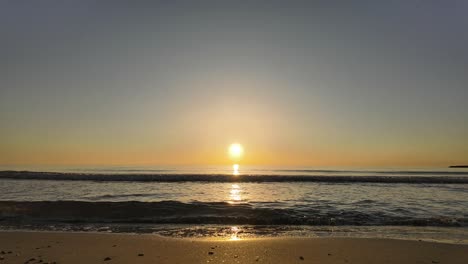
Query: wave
point(114, 196)
point(125, 170)
point(392, 172)
point(173, 212)
point(31, 175)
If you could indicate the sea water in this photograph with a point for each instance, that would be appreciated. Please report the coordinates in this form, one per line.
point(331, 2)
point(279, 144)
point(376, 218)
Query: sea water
point(253, 201)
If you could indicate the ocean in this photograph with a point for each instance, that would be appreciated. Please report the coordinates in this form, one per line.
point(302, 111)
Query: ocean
point(217, 201)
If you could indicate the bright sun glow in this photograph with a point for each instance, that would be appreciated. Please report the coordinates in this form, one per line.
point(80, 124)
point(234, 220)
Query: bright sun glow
point(235, 151)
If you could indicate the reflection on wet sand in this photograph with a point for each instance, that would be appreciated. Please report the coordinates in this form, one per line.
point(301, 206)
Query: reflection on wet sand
point(234, 231)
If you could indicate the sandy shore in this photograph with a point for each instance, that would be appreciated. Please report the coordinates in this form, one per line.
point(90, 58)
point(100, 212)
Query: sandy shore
point(49, 247)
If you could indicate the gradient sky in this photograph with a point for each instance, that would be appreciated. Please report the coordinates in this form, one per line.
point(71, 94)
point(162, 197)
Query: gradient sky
point(316, 83)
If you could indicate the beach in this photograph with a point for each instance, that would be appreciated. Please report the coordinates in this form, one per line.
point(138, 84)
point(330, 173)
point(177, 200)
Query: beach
point(71, 247)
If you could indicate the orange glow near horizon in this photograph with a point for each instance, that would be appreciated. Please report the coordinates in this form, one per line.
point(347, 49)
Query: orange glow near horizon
point(194, 151)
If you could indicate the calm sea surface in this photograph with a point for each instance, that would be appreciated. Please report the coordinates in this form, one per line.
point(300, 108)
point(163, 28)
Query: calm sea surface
point(198, 201)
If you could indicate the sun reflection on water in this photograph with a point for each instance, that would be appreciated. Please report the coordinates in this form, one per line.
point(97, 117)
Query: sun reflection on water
point(235, 169)
point(235, 194)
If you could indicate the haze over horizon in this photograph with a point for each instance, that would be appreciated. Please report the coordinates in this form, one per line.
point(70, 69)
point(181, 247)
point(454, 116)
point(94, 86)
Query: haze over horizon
point(367, 83)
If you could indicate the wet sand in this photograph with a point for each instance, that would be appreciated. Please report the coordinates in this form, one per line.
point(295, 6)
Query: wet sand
point(56, 247)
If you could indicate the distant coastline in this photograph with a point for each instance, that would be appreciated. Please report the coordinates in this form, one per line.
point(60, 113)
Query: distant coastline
point(458, 166)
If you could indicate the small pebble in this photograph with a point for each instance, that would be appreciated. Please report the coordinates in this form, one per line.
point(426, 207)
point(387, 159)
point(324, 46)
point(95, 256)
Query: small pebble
point(114, 245)
point(210, 253)
point(257, 258)
point(329, 254)
point(301, 258)
point(141, 255)
point(235, 256)
point(107, 259)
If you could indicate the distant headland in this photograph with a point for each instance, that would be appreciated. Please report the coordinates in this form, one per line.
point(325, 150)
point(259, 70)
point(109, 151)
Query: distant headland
point(458, 166)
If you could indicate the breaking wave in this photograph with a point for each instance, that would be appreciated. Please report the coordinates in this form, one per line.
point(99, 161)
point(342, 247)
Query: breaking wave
point(173, 212)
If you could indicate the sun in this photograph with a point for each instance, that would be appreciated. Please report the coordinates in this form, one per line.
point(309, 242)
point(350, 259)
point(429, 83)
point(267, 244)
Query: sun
point(235, 151)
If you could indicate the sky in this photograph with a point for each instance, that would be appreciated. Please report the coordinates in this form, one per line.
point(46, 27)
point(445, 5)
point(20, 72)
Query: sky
point(306, 83)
